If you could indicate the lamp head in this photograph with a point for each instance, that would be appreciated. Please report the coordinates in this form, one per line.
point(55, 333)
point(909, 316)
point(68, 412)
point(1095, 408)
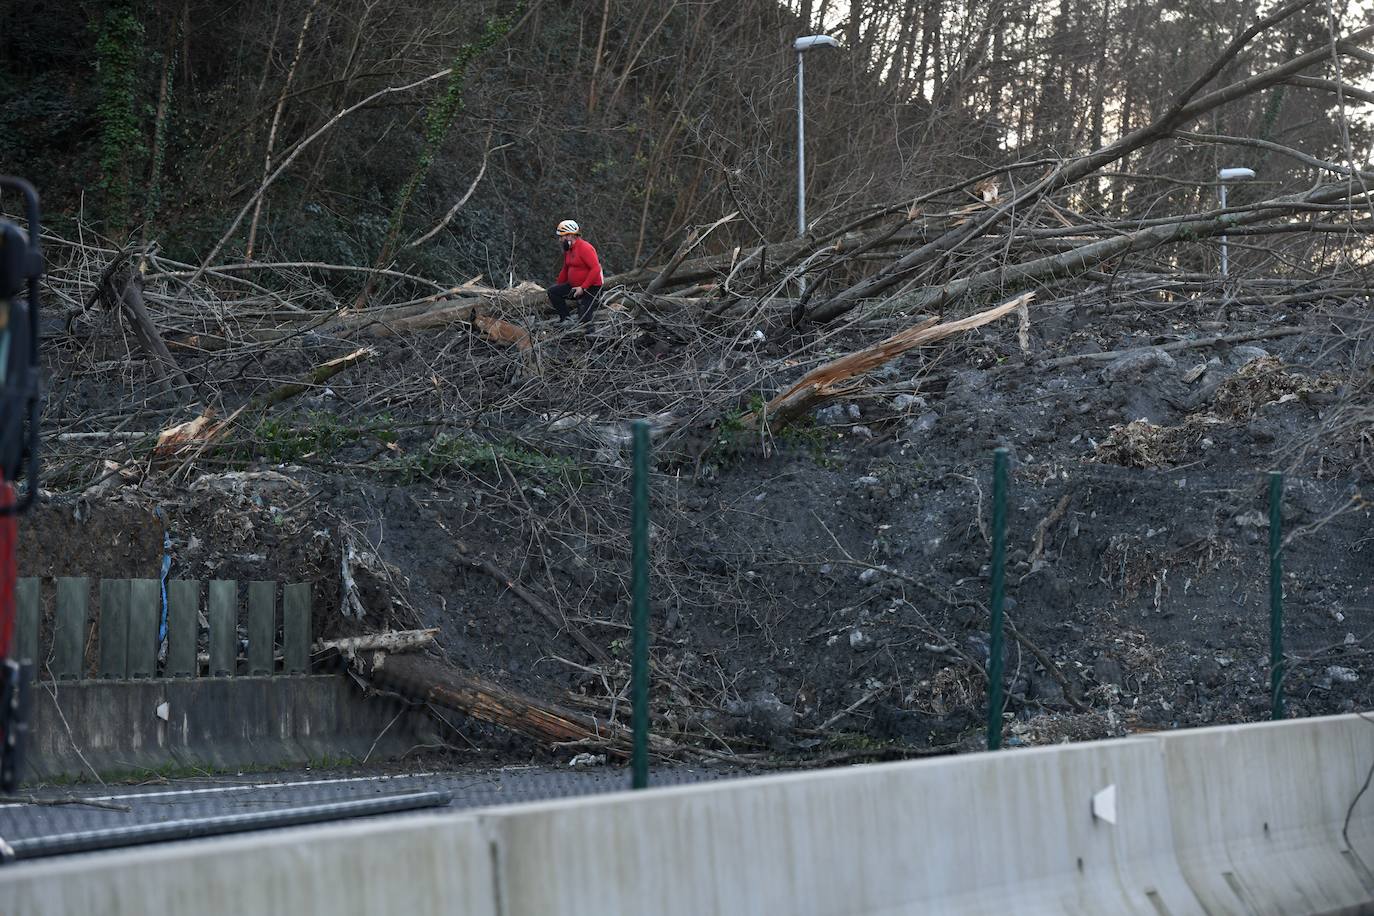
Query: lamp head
point(814, 41)
point(1236, 174)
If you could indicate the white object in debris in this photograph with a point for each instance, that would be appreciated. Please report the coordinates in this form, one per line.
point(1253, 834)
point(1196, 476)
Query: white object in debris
point(164, 711)
point(1104, 804)
point(1342, 674)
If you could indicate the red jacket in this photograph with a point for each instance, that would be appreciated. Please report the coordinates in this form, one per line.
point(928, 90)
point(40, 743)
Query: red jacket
point(580, 265)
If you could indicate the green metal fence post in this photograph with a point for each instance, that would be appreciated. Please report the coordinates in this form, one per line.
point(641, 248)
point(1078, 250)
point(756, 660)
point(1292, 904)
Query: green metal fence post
point(999, 550)
point(639, 678)
point(1276, 594)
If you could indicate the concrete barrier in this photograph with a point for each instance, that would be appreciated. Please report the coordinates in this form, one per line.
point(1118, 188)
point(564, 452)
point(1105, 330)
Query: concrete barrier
point(113, 727)
point(1242, 819)
point(1259, 813)
point(411, 865)
point(982, 834)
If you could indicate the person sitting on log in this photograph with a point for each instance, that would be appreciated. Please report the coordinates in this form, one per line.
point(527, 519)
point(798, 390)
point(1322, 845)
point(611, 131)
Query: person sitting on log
point(580, 278)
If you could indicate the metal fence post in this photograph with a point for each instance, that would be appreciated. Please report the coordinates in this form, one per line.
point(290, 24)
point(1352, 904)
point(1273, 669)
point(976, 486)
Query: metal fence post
point(999, 550)
point(1276, 666)
point(639, 678)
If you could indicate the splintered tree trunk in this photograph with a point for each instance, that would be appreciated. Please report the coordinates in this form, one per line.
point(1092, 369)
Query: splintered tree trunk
point(429, 680)
point(827, 382)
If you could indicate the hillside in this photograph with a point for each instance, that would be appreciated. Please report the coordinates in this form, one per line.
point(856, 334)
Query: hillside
point(258, 348)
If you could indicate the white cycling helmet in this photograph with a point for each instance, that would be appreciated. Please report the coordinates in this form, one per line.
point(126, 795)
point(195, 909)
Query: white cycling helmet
point(569, 227)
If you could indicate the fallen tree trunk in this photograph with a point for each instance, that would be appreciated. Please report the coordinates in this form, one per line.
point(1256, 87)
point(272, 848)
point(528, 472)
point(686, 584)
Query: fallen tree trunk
point(1185, 108)
point(315, 377)
point(130, 301)
point(1088, 257)
point(826, 382)
point(429, 680)
point(351, 646)
point(392, 641)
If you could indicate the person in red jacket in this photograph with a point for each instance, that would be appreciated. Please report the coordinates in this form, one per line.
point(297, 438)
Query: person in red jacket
point(580, 278)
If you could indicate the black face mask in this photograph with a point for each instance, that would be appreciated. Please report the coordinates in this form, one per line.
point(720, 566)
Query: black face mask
point(567, 244)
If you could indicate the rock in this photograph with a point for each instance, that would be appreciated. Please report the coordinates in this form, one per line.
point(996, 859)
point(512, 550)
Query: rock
point(1208, 673)
point(852, 411)
point(1342, 675)
point(862, 432)
point(1046, 690)
point(764, 715)
point(587, 759)
point(1133, 366)
point(831, 415)
point(908, 402)
point(869, 576)
point(1107, 670)
point(866, 482)
point(917, 428)
point(860, 641)
point(1239, 356)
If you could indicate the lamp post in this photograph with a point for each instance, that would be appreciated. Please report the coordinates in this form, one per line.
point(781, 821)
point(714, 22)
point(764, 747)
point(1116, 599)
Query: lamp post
point(802, 45)
point(1225, 175)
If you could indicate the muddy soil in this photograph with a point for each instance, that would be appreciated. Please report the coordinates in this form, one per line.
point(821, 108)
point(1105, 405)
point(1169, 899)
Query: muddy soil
point(828, 588)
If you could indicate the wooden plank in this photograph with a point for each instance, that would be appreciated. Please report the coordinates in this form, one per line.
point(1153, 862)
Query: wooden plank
point(27, 618)
point(145, 613)
point(183, 627)
point(295, 627)
point(262, 626)
point(114, 628)
point(224, 618)
point(70, 627)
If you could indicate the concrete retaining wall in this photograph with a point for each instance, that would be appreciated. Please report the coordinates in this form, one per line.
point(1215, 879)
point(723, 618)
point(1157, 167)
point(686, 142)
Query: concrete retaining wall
point(1259, 812)
point(1243, 820)
point(411, 865)
point(989, 833)
point(212, 723)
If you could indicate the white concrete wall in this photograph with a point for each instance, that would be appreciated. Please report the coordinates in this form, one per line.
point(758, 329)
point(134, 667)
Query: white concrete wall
point(411, 865)
point(982, 834)
point(1244, 819)
point(1258, 814)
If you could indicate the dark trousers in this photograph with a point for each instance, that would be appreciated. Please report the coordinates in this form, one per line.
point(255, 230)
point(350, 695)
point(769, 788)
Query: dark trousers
point(586, 303)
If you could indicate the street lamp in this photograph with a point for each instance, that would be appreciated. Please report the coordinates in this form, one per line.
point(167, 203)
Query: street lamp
point(1225, 175)
point(802, 45)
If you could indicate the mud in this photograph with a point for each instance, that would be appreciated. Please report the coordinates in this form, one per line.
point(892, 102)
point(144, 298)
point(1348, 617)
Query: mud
point(829, 588)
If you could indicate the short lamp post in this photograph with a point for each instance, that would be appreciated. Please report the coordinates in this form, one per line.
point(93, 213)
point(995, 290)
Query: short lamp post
point(802, 45)
point(1225, 175)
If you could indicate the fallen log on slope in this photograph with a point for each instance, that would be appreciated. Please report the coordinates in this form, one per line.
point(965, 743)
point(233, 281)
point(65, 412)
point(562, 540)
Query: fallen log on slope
point(314, 378)
point(827, 382)
point(428, 680)
point(129, 300)
point(350, 647)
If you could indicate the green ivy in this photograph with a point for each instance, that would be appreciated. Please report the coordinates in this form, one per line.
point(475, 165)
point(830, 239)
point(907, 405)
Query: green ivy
point(119, 49)
point(441, 116)
point(154, 202)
